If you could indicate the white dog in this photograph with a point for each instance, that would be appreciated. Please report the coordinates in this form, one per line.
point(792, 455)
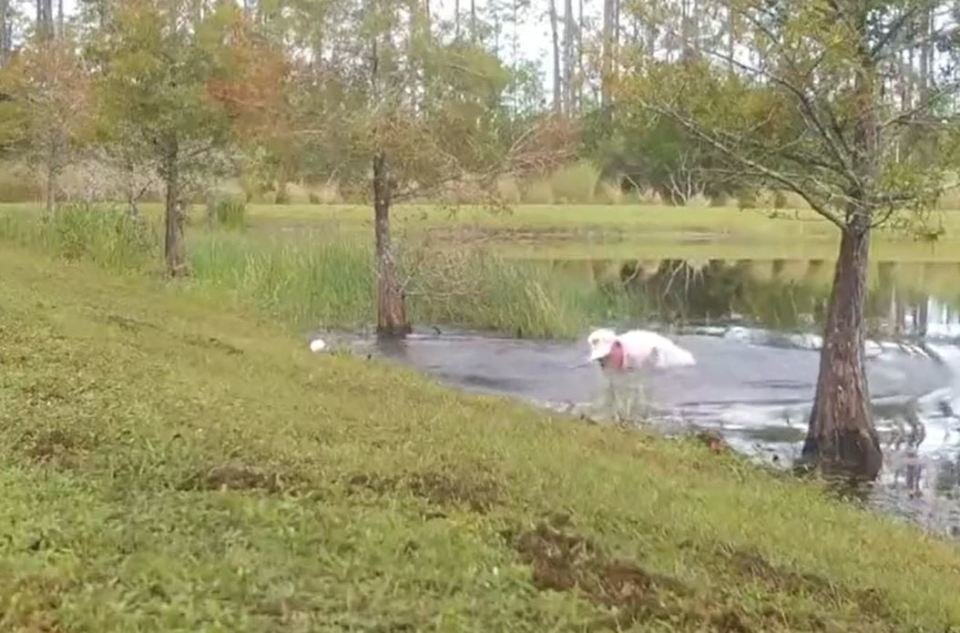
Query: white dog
point(622, 356)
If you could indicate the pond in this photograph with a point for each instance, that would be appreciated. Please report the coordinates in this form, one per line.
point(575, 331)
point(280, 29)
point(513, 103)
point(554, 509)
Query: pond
point(753, 326)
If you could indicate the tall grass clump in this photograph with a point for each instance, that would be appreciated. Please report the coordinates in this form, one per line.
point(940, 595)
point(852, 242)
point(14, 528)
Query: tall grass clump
point(478, 290)
point(327, 283)
point(538, 191)
point(22, 227)
point(228, 212)
point(109, 237)
point(575, 184)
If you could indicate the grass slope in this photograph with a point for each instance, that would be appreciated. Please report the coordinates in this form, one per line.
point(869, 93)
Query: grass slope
point(168, 466)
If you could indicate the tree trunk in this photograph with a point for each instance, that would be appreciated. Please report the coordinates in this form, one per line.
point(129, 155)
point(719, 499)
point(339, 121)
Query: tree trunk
point(133, 210)
point(650, 37)
point(841, 438)
point(45, 19)
point(4, 31)
point(606, 62)
point(926, 52)
point(569, 27)
point(557, 80)
point(922, 324)
point(581, 73)
point(456, 20)
point(391, 307)
point(53, 156)
point(473, 21)
point(173, 246)
point(731, 36)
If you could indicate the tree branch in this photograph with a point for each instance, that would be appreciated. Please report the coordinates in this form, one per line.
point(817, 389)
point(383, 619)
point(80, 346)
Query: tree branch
point(772, 174)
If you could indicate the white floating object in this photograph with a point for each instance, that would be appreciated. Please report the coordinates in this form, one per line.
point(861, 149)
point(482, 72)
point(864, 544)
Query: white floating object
point(318, 345)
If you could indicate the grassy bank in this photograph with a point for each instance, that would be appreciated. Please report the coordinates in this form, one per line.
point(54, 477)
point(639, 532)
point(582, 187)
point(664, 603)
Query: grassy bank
point(168, 465)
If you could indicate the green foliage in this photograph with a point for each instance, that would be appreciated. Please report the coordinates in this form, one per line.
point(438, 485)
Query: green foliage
point(158, 446)
point(655, 151)
point(159, 89)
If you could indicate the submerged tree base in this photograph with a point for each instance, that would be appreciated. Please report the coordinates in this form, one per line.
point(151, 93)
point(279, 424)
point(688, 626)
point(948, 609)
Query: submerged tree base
point(850, 455)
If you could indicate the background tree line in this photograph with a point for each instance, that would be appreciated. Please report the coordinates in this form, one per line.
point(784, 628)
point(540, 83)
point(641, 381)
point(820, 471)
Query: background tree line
point(469, 54)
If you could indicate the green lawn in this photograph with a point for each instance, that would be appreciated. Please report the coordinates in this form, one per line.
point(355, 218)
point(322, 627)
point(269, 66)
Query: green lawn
point(168, 465)
point(622, 231)
point(727, 220)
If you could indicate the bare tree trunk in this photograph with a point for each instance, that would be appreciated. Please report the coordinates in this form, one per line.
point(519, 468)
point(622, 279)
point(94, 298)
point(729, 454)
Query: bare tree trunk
point(456, 19)
point(473, 21)
point(569, 26)
point(173, 245)
point(650, 45)
point(45, 18)
point(841, 438)
point(581, 75)
point(607, 61)
point(731, 36)
point(923, 318)
point(925, 52)
point(4, 32)
point(52, 170)
point(685, 29)
point(391, 307)
point(133, 209)
point(557, 80)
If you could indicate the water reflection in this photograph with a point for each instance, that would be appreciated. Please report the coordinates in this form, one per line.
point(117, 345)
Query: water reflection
point(904, 299)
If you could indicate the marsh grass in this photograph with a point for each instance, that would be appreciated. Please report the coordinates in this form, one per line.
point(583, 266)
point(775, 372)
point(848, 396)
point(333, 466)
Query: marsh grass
point(108, 237)
point(329, 282)
point(325, 283)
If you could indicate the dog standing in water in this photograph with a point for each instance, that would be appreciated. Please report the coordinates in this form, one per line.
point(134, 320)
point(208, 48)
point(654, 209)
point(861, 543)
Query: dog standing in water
point(623, 357)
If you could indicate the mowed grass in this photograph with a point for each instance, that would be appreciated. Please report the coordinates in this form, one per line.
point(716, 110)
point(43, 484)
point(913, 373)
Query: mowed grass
point(623, 231)
point(581, 221)
point(168, 465)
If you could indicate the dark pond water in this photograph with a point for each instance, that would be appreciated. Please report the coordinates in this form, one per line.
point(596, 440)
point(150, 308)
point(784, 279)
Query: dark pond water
point(753, 328)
